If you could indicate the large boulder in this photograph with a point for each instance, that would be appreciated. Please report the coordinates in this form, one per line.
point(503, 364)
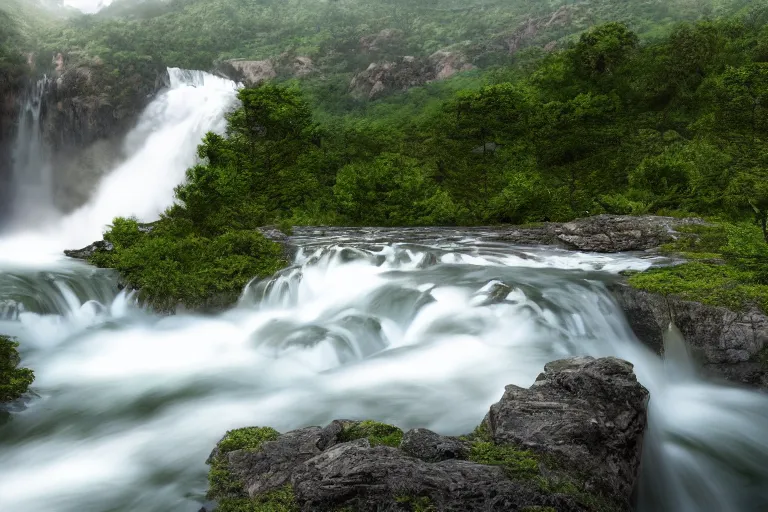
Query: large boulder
point(569, 443)
point(589, 414)
point(728, 343)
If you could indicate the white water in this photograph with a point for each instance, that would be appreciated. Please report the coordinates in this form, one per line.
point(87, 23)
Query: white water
point(416, 334)
point(162, 147)
point(31, 178)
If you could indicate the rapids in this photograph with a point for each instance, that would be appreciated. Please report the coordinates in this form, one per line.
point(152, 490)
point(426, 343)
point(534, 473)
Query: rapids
point(417, 327)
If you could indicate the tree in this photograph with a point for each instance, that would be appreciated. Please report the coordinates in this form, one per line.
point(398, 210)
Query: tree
point(603, 50)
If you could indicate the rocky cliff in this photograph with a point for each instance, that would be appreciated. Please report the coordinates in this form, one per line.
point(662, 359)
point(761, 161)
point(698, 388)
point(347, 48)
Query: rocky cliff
point(726, 343)
point(572, 442)
point(85, 116)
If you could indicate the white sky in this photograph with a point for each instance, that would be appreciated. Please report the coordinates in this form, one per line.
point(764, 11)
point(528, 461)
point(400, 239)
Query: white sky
point(88, 5)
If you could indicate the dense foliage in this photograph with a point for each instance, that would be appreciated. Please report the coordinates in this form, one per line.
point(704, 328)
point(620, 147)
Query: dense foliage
point(609, 124)
point(14, 381)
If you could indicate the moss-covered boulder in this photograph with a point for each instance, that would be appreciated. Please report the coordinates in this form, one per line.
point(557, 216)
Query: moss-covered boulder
point(538, 450)
point(14, 381)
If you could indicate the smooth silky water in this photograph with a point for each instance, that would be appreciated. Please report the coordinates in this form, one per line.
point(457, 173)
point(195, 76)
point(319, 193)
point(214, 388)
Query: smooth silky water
point(413, 327)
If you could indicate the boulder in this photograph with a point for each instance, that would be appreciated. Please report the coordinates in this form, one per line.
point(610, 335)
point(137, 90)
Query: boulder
point(571, 442)
point(86, 252)
point(431, 447)
point(252, 72)
point(589, 414)
point(604, 233)
point(726, 342)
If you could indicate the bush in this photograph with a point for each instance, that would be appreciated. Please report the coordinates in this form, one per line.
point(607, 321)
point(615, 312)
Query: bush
point(14, 381)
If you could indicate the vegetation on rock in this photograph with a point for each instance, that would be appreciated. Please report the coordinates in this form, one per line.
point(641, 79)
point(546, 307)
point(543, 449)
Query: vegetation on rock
point(378, 434)
point(726, 267)
point(224, 486)
point(14, 381)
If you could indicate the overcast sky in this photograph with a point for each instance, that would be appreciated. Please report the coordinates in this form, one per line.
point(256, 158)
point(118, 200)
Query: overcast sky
point(88, 5)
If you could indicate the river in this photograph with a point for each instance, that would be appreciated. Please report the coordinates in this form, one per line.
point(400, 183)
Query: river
point(416, 327)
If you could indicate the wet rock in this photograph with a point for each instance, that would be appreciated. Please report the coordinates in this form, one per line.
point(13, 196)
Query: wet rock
point(274, 234)
point(604, 233)
point(726, 342)
point(582, 417)
point(589, 414)
point(86, 252)
point(431, 447)
point(615, 233)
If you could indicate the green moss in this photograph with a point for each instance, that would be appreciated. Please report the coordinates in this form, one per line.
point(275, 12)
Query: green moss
point(708, 283)
point(280, 500)
point(377, 433)
point(249, 438)
point(14, 381)
point(417, 503)
point(516, 463)
point(221, 483)
point(526, 465)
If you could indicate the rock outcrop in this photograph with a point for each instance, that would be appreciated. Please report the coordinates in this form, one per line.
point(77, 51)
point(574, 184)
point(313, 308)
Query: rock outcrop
point(589, 414)
point(255, 72)
point(571, 442)
point(725, 342)
point(604, 233)
point(382, 78)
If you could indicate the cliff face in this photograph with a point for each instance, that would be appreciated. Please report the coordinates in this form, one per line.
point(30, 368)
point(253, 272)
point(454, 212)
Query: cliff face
point(728, 343)
point(84, 119)
point(84, 114)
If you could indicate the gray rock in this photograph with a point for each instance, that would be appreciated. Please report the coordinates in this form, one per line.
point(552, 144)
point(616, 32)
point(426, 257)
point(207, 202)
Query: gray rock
point(590, 414)
point(431, 447)
point(586, 415)
point(381, 478)
point(724, 341)
point(273, 465)
point(604, 233)
point(88, 251)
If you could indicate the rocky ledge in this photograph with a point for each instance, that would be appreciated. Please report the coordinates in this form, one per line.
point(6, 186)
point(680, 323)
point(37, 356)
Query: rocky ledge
point(726, 343)
point(604, 233)
point(572, 442)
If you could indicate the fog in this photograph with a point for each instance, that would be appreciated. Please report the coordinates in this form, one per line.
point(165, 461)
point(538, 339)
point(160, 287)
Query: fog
point(88, 6)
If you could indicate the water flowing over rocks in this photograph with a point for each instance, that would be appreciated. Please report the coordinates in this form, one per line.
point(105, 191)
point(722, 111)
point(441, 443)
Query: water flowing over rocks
point(726, 342)
point(582, 420)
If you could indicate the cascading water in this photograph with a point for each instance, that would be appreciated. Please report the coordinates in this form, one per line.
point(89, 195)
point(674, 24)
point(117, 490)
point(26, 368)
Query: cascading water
point(414, 327)
point(160, 149)
point(31, 178)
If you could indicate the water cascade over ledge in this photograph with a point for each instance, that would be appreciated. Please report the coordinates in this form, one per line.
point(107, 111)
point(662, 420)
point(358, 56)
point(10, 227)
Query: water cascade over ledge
point(417, 329)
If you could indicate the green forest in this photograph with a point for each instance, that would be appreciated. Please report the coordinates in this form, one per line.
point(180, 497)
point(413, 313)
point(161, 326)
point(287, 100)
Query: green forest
point(639, 108)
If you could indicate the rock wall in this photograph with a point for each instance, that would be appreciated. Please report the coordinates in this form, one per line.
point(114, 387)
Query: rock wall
point(725, 342)
point(84, 119)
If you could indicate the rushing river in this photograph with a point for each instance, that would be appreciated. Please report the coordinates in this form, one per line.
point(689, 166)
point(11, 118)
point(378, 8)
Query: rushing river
point(413, 327)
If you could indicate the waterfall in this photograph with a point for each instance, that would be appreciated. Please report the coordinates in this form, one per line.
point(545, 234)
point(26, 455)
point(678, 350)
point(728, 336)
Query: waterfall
point(32, 177)
point(421, 333)
point(160, 148)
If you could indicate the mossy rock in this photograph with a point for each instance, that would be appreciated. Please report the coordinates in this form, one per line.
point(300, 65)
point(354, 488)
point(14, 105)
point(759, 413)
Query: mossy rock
point(416, 503)
point(280, 500)
point(378, 434)
point(14, 381)
point(222, 485)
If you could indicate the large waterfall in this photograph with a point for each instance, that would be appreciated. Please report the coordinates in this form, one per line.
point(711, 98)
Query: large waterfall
point(417, 330)
point(31, 178)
